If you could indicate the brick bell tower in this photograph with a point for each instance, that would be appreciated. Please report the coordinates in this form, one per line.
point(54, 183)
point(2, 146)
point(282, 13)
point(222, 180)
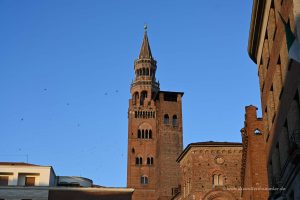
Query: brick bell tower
point(154, 133)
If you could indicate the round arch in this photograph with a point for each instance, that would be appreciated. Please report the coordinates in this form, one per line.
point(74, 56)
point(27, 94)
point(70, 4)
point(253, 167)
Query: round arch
point(145, 126)
point(219, 195)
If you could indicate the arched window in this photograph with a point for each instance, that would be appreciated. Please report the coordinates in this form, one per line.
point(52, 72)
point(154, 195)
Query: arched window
point(138, 160)
point(217, 180)
point(257, 132)
point(143, 97)
point(221, 180)
point(143, 134)
point(166, 119)
point(139, 133)
point(146, 134)
point(150, 161)
point(144, 180)
point(144, 71)
point(174, 122)
point(146, 130)
point(147, 71)
point(135, 98)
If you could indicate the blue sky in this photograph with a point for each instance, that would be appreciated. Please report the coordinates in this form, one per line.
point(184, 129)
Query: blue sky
point(66, 67)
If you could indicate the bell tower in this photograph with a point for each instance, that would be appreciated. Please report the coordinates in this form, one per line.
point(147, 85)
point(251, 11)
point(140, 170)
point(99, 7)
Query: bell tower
point(154, 132)
point(144, 87)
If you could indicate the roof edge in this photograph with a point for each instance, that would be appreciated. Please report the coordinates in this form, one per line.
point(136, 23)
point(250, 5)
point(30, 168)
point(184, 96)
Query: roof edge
point(181, 93)
point(207, 144)
point(255, 28)
point(23, 164)
point(102, 189)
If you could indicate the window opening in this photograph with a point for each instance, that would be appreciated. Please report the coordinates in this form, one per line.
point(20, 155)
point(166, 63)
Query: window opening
point(166, 119)
point(144, 180)
point(174, 122)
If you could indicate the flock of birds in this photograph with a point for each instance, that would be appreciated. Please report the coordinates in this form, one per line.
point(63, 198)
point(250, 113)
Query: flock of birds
point(68, 104)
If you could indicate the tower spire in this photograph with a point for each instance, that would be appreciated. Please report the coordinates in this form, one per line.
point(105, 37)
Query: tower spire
point(145, 49)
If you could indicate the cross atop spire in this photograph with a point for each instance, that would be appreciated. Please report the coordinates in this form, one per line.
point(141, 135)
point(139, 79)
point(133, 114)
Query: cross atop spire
point(145, 49)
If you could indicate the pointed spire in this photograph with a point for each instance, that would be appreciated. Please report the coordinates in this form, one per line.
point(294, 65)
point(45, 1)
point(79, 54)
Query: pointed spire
point(145, 49)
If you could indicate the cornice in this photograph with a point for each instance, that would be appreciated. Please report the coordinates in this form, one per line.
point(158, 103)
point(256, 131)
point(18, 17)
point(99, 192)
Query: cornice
point(255, 28)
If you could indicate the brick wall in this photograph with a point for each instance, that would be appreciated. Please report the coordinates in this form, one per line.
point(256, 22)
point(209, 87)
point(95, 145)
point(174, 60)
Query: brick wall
point(279, 86)
point(254, 171)
point(199, 165)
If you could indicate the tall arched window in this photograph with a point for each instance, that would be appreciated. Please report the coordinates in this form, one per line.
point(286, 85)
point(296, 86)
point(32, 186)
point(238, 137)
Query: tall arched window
point(174, 122)
point(150, 161)
point(217, 180)
point(166, 119)
point(144, 180)
point(138, 160)
point(143, 97)
point(143, 134)
point(146, 134)
point(139, 133)
point(135, 98)
point(150, 134)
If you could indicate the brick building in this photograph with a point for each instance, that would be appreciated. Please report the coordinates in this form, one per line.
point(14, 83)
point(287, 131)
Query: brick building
point(279, 78)
point(154, 132)
point(210, 170)
point(205, 170)
point(254, 179)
